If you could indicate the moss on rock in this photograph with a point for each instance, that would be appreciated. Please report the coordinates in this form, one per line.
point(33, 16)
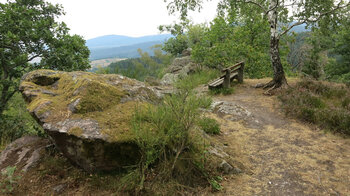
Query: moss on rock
point(85, 105)
point(92, 96)
point(77, 131)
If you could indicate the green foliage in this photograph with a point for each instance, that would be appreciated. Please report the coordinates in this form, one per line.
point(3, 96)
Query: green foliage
point(16, 121)
point(28, 30)
point(186, 36)
point(9, 180)
point(215, 185)
point(175, 46)
point(194, 80)
point(209, 125)
point(165, 133)
point(244, 30)
point(141, 68)
point(315, 54)
point(67, 53)
point(316, 102)
point(339, 70)
point(229, 40)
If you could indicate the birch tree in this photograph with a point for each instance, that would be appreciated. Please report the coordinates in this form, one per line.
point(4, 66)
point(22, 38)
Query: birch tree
point(282, 16)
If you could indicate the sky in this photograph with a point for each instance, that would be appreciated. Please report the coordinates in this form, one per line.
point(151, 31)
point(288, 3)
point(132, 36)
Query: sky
point(133, 18)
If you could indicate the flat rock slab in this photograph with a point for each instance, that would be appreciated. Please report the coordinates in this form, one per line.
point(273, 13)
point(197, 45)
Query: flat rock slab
point(88, 115)
point(24, 153)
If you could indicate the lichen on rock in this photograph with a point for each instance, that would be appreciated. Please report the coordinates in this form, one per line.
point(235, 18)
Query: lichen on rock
point(78, 108)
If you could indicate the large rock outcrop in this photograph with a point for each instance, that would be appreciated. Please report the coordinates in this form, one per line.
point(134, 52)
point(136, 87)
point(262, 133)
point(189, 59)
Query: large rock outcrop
point(88, 115)
point(179, 68)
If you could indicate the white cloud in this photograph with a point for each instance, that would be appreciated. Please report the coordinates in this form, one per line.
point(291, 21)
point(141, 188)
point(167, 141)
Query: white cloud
point(122, 17)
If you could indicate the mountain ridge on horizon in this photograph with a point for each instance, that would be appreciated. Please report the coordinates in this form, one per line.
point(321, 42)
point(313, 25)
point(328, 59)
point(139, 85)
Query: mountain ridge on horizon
point(110, 41)
point(123, 46)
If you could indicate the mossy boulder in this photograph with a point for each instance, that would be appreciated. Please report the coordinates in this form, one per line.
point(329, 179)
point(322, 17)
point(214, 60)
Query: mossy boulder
point(88, 115)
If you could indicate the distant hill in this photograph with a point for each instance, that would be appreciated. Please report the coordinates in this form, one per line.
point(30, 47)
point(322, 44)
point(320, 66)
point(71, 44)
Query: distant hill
point(122, 51)
point(118, 46)
point(120, 40)
point(300, 28)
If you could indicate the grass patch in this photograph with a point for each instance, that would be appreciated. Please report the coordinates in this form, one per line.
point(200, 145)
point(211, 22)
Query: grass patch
point(194, 80)
point(323, 104)
point(209, 125)
point(171, 154)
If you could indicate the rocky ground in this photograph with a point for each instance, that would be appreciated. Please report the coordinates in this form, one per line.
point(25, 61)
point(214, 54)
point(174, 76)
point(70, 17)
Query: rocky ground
point(273, 153)
point(278, 155)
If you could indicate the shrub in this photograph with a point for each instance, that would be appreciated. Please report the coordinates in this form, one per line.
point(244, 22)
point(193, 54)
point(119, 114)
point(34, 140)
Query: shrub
point(16, 122)
point(318, 103)
point(346, 103)
point(165, 135)
point(200, 77)
point(337, 120)
point(208, 125)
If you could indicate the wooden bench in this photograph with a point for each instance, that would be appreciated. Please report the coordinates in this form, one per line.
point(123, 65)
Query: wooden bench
point(233, 72)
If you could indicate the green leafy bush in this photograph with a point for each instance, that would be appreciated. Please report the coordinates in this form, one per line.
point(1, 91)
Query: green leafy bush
point(16, 122)
point(209, 125)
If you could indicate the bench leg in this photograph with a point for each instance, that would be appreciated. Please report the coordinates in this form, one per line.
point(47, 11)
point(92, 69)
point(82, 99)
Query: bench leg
point(240, 74)
point(227, 80)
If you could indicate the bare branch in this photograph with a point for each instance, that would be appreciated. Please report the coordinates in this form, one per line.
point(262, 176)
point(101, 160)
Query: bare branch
point(33, 57)
point(290, 27)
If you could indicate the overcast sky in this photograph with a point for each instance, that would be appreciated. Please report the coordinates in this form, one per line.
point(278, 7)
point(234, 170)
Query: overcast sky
point(122, 17)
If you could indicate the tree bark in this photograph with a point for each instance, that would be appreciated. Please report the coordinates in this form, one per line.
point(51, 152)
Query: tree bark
point(5, 94)
point(279, 78)
point(3, 100)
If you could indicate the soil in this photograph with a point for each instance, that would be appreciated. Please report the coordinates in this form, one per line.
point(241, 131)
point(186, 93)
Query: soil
point(279, 155)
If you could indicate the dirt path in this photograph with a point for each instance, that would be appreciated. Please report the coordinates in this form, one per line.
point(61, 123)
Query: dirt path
point(279, 156)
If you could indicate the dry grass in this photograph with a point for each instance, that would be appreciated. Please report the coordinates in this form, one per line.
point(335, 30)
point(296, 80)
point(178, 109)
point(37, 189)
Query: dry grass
point(280, 155)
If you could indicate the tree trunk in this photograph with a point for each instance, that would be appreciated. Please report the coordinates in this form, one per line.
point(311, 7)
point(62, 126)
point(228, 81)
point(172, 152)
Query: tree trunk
point(5, 94)
point(279, 78)
point(3, 98)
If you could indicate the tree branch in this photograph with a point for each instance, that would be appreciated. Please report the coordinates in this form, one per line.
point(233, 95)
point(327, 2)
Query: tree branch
point(269, 10)
point(330, 11)
point(33, 57)
point(313, 20)
point(255, 3)
point(290, 27)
